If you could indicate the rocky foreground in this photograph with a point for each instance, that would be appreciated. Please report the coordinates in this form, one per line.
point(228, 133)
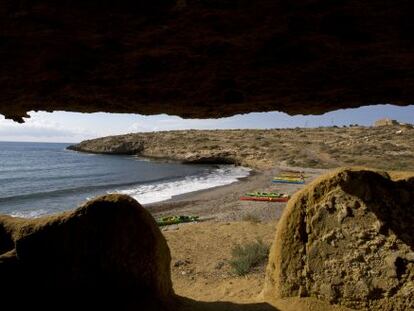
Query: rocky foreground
point(385, 147)
point(345, 239)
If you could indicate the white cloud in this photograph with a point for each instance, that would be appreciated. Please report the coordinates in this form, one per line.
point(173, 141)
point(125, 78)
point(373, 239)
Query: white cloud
point(165, 123)
point(75, 127)
point(40, 128)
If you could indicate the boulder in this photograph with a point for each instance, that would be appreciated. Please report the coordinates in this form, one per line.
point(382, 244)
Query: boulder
point(347, 238)
point(108, 253)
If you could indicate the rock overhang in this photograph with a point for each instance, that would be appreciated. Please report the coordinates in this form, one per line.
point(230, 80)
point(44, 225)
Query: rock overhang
point(202, 59)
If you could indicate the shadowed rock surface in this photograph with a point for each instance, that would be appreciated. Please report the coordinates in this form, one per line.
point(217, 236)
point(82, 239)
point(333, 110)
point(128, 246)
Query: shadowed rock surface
point(107, 253)
point(204, 58)
point(347, 238)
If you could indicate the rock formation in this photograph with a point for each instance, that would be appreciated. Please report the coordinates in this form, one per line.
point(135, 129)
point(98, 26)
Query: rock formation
point(329, 147)
point(347, 238)
point(204, 58)
point(108, 253)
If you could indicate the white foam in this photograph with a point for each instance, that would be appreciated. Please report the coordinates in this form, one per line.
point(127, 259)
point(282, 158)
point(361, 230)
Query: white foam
point(30, 214)
point(151, 193)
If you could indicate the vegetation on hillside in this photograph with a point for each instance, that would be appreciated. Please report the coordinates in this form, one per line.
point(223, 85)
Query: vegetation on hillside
point(248, 256)
point(387, 147)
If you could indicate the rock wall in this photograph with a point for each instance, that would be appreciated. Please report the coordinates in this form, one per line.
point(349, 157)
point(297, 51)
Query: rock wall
point(204, 58)
point(108, 253)
point(347, 238)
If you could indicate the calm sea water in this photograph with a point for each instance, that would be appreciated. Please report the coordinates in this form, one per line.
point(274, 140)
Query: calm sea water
point(39, 178)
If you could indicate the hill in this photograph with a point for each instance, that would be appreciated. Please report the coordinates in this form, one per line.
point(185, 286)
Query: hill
point(390, 147)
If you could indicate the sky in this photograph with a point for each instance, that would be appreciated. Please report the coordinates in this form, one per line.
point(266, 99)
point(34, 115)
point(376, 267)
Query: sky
point(71, 127)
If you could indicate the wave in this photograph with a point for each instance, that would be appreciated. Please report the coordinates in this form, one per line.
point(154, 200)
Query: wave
point(145, 192)
point(77, 190)
point(49, 178)
point(157, 192)
point(30, 214)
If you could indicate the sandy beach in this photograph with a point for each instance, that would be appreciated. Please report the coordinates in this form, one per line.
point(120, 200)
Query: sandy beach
point(201, 251)
point(223, 203)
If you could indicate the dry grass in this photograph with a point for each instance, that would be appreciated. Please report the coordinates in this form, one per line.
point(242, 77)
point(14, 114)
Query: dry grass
point(248, 256)
point(388, 147)
point(251, 218)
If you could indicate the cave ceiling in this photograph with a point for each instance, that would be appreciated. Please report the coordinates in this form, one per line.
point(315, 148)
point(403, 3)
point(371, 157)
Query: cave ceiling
point(205, 58)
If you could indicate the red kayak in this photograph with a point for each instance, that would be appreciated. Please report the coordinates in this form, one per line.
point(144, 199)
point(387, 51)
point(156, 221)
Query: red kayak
point(268, 199)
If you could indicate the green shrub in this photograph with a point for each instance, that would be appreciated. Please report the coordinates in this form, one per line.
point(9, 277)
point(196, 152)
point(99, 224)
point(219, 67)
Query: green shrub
point(291, 162)
point(251, 218)
point(248, 256)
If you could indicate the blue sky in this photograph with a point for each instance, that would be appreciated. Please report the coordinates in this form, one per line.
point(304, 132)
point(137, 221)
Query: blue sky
point(74, 127)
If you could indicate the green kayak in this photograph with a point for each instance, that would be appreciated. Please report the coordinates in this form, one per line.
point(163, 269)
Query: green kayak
point(266, 194)
point(171, 220)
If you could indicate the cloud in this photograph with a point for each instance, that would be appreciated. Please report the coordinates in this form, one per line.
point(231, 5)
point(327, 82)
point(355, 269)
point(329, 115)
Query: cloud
point(166, 123)
point(75, 127)
point(39, 128)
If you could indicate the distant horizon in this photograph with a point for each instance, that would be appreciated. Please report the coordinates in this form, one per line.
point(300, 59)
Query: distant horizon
point(229, 129)
point(69, 128)
point(38, 142)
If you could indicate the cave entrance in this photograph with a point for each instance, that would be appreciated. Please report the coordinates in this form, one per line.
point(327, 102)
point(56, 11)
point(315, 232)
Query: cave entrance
point(202, 252)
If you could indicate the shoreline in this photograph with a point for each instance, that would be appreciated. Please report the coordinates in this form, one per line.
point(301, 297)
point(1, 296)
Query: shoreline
point(223, 204)
point(192, 194)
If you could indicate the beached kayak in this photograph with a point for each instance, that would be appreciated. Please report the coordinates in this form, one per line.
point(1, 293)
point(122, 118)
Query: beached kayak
point(286, 175)
point(288, 178)
point(287, 181)
point(266, 194)
point(266, 199)
point(171, 220)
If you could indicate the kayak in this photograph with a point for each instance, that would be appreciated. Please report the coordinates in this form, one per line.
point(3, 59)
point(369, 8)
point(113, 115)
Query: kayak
point(292, 175)
point(171, 220)
point(284, 181)
point(266, 194)
point(288, 178)
point(267, 199)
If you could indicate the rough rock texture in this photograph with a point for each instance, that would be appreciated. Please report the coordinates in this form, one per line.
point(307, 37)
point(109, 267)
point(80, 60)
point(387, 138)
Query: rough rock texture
point(107, 253)
point(204, 58)
point(347, 238)
point(390, 148)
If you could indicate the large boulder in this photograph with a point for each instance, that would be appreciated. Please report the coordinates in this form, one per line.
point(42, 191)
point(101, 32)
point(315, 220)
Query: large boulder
point(108, 253)
point(347, 238)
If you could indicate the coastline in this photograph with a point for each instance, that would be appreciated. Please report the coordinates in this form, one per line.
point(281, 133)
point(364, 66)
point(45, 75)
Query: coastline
point(223, 204)
point(321, 147)
point(193, 194)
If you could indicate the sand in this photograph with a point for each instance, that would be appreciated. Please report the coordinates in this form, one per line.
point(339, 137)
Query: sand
point(201, 251)
point(223, 203)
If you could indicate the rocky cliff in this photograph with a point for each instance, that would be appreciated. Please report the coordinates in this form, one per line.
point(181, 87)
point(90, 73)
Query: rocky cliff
point(382, 147)
point(204, 58)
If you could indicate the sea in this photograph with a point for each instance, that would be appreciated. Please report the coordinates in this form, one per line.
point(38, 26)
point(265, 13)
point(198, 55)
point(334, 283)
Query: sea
point(38, 179)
